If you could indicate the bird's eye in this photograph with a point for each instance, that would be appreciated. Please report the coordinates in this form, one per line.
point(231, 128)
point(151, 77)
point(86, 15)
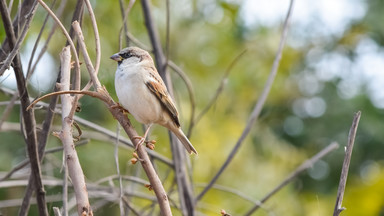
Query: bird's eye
point(125, 55)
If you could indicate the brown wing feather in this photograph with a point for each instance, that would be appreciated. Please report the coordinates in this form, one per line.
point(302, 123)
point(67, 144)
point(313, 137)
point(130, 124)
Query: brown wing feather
point(159, 90)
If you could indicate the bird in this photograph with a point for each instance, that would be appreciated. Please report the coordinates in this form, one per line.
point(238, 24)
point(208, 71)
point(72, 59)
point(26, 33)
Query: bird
point(142, 92)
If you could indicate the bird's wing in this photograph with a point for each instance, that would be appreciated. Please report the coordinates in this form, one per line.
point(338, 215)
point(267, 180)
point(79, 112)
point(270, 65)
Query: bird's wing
point(157, 87)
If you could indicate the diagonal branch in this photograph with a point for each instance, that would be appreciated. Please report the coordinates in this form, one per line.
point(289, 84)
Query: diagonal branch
point(218, 92)
point(259, 105)
point(307, 164)
point(347, 160)
point(145, 161)
point(50, 111)
point(184, 186)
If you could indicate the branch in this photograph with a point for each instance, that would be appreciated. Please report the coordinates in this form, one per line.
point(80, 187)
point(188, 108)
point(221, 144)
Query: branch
point(131, 132)
point(20, 20)
point(28, 116)
point(347, 160)
point(16, 44)
point(87, 123)
point(97, 41)
point(74, 169)
point(307, 164)
point(259, 105)
point(69, 40)
point(191, 93)
point(185, 188)
point(124, 25)
point(218, 91)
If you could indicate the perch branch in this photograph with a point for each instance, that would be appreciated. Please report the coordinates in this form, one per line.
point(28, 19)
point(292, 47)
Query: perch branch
point(131, 132)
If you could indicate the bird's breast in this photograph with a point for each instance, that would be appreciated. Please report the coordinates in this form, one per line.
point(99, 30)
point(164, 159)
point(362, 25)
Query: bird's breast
point(135, 96)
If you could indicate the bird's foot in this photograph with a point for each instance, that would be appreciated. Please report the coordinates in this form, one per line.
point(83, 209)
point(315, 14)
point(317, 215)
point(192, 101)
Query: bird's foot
point(141, 140)
point(148, 143)
point(119, 107)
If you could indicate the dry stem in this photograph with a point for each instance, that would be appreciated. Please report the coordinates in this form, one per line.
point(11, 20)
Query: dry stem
point(259, 105)
point(74, 168)
point(347, 159)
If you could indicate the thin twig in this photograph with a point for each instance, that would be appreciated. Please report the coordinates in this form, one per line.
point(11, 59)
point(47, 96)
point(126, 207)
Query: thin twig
point(259, 105)
point(185, 188)
point(77, 76)
point(191, 93)
point(347, 160)
point(27, 116)
point(37, 43)
point(88, 62)
point(219, 90)
point(97, 41)
point(307, 164)
point(126, 202)
point(23, 9)
point(138, 42)
point(17, 43)
point(44, 48)
point(25, 162)
point(8, 109)
point(168, 31)
point(89, 93)
point(122, 213)
point(124, 25)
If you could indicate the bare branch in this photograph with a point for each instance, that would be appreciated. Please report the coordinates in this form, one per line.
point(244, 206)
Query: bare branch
point(191, 93)
point(347, 160)
point(18, 22)
point(185, 188)
point(11, 35)
point(307, 164)
point(87, 123)
point(69, 40)
point(121, 195)
point(97, 41)
point(88, 62)
point(124, 25)
point(259, 105)
point(28, 116)
point(25, 162)
point(74, 169)
point(31, 68)
point(131, 132)
point(8, 109)
point(56, 211)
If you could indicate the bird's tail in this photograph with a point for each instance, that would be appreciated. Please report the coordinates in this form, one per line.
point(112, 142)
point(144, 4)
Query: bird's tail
point(184, 140)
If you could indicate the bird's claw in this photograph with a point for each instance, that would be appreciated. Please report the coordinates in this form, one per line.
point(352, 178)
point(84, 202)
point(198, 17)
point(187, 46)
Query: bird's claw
point(148, 143)
point(119, 107)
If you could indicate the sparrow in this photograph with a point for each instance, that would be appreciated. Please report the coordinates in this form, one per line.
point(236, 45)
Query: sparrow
point(142, 92)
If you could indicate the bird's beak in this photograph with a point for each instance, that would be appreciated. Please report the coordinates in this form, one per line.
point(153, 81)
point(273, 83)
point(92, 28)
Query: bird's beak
point(116, 57)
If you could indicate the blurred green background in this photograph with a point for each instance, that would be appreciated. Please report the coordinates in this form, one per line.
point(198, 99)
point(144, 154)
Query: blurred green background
point(332, 66)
